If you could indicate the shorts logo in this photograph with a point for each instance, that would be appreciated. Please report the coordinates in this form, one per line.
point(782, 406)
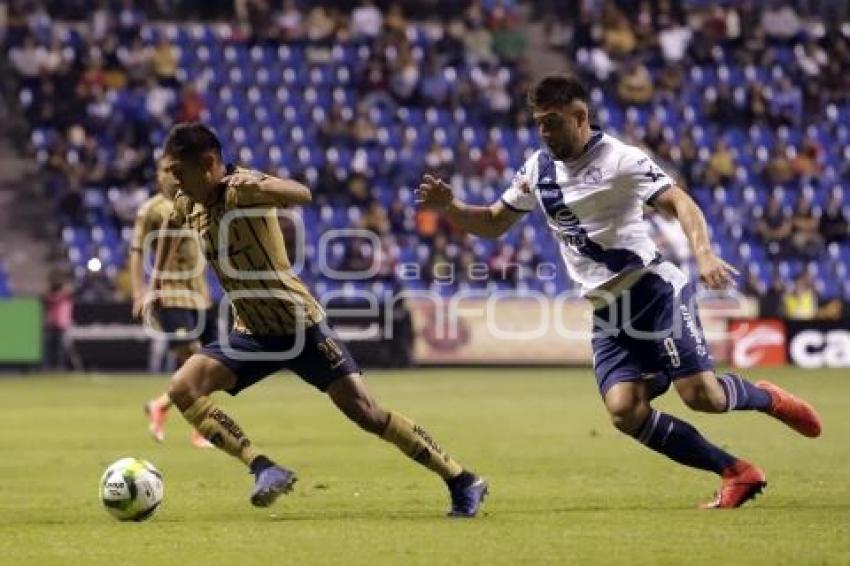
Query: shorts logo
point(332, 352)
point(694, 331)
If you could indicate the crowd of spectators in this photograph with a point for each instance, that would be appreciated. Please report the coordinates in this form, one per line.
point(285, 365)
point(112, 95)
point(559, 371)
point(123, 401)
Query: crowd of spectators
point(777, 72)
point(104, 93)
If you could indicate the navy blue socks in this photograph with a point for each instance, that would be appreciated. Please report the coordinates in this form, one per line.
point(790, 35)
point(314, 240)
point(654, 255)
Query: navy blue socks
point(741, 395)
point(681, 442)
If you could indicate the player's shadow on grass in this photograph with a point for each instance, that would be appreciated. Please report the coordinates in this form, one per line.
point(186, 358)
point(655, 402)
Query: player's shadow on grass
point(303, 515)
point(365, 514)
point(766, 506)
point(378, 514)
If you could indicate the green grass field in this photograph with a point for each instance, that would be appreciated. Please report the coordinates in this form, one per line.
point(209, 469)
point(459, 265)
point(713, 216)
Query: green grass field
point(565, 488)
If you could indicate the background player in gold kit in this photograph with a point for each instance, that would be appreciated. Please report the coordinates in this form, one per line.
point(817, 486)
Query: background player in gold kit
point(183, 303)
point(274, 314)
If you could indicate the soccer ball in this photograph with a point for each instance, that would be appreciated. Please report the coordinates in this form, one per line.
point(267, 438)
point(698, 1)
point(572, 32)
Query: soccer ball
point(131, 489)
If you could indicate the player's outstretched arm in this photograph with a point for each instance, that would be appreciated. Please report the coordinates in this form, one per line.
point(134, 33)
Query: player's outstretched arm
point(137, 280)
point(258, 188)
point(486, 221)
point(165, 246)
point(713, 271)
point(137, 268)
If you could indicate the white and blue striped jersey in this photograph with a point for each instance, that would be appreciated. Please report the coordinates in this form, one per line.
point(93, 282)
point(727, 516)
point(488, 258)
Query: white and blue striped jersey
point(594, 206)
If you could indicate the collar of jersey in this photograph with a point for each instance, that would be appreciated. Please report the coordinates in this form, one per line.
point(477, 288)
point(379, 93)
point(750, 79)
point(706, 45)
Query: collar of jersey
point(595, 138)
point(229, 169)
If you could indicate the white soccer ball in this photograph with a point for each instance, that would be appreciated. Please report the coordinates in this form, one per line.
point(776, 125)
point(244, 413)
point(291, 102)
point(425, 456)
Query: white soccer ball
point(131, 489)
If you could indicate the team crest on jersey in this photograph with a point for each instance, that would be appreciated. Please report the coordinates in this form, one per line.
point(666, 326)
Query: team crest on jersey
point(593, 175)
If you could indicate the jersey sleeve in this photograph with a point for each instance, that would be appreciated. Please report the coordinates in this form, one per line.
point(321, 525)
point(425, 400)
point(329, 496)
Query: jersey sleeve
point(643, 175)
point(246, 196)
point(515, 197)
point(140, 229)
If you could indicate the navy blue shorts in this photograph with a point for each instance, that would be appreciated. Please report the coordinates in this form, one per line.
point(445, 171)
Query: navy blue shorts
point(320, 358)
point(179, 323)
point(649, 329)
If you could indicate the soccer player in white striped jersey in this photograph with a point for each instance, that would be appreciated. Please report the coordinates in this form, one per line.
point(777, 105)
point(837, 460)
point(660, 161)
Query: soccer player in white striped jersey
point(592, 189)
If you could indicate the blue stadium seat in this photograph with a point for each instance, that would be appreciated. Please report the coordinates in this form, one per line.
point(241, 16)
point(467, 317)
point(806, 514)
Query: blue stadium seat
point(5, 290)
point(266, 103)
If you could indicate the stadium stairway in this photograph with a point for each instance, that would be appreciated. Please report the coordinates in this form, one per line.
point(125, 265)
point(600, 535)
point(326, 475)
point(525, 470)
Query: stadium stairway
point(24, 219)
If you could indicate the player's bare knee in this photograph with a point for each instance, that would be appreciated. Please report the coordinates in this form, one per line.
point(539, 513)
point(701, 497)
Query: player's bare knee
point(181, 391)
point(194, 379)
point(627, 406)
point(629, 422)
point(627, 414)
point(697, 401)
point(704, 398)
point(716, 396)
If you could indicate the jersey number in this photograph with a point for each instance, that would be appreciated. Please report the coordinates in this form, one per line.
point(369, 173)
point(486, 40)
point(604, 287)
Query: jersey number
point(673, 352)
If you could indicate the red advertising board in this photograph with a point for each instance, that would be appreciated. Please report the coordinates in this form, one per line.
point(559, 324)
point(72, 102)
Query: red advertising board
point(758, 342)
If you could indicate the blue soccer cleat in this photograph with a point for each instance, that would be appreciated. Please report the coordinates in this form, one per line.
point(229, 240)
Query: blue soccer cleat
point(468, 494)
point(270, 484)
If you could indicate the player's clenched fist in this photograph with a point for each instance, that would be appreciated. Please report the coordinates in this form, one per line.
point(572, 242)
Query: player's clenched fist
point(433, 192)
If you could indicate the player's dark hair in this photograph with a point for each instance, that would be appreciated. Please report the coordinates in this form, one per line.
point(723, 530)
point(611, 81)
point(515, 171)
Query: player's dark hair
point(191, 140)
point(557, 90)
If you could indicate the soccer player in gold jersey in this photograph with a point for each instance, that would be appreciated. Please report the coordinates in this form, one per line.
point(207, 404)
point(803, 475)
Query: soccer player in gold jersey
point(181, 307)
point(278, 323)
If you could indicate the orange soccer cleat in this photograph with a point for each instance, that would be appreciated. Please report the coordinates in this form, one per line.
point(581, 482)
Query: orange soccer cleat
point(791, 410)
point(156, 419)
point(741, 482)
